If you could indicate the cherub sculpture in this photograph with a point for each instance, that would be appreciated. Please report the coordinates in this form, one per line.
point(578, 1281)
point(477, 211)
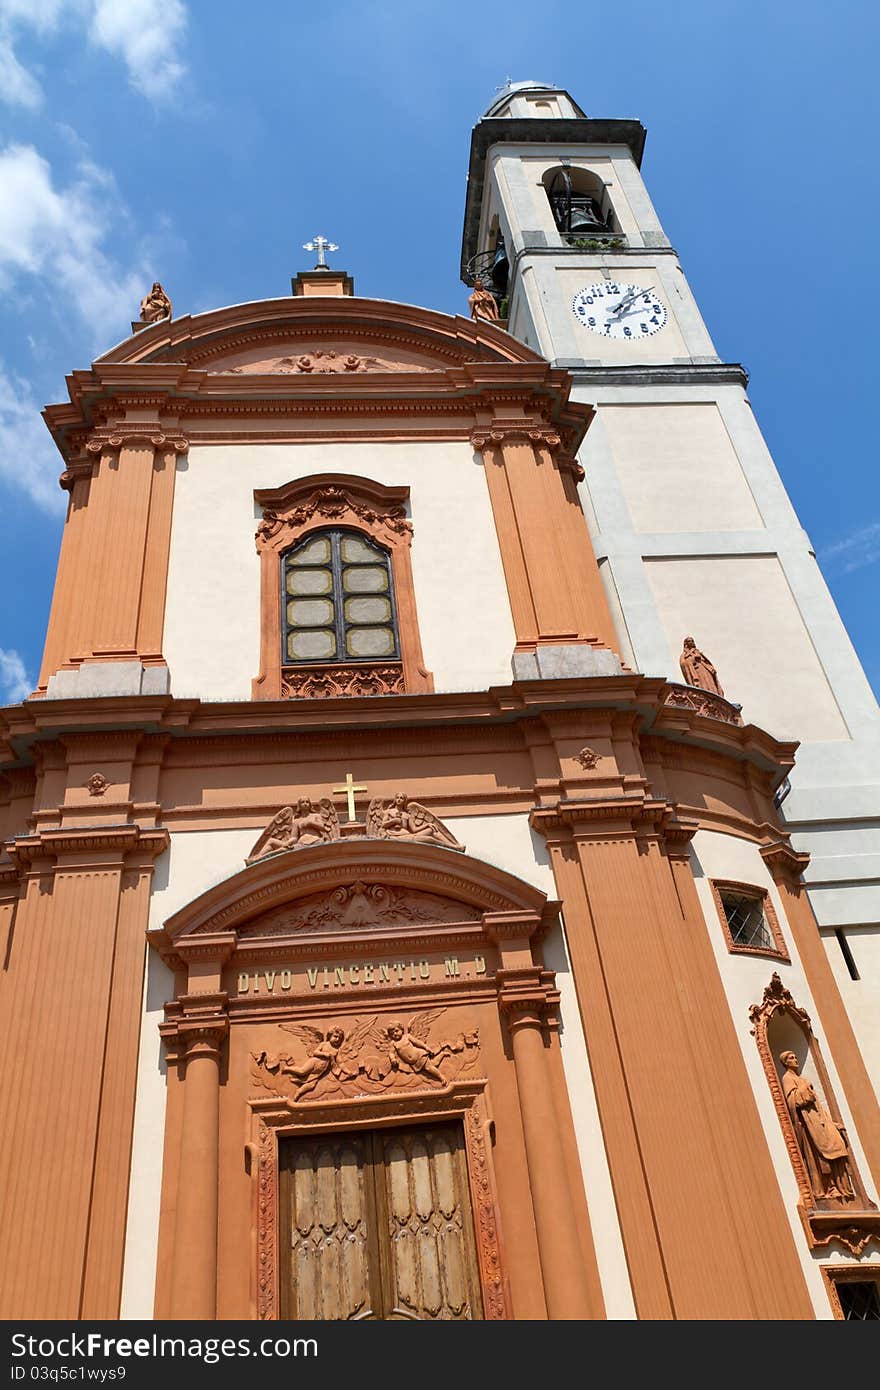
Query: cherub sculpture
point(297, 826)
point(156, 305)
point(330, 1054)
point(402, 819)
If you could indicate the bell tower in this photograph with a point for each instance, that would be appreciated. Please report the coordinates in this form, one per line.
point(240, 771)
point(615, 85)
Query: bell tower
point(557, 206)
point(691, 525)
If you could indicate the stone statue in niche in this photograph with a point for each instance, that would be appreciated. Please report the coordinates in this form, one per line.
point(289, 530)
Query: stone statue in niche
point(156, 305)
point(297, 826)
point(820, 1139)
point(402, 819)
point(482, 302)
point(697, 669)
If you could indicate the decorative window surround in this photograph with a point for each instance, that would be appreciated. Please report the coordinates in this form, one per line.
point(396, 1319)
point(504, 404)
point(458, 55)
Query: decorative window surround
point(340, 501)
point(835, 1275)
point(778, 951)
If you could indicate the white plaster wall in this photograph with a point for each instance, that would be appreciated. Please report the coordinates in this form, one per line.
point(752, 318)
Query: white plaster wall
point(741, 611)
point(212, 623)
point(678, 468)
point(861, 996)
point(716, 855)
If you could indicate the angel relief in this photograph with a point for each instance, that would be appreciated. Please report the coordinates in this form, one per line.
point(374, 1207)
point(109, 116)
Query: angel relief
point(295, 826)
point(372, 1057)
point(402, 819)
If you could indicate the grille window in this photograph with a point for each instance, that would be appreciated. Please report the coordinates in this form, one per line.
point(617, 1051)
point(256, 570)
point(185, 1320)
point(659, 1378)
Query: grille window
point(859, 1299)
point(747, 921)
point(338, 600)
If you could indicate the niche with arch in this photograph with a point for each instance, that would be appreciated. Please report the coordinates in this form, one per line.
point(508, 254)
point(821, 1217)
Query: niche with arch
point(580, 203)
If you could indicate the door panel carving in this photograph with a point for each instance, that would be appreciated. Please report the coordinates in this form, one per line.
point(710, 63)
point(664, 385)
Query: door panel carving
point(378, 1225)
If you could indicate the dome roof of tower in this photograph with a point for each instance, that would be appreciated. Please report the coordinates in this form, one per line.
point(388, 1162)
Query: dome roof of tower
point(512, 88)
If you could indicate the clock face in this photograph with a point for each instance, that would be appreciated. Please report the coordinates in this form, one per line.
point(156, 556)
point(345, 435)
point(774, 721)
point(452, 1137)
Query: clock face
point(614, 310)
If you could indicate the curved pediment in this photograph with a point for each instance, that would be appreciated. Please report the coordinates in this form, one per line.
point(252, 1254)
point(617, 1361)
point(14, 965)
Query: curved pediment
point(338, 336)
point(353, 885)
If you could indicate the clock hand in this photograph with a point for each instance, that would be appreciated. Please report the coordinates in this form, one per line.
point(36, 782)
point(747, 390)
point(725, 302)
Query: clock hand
point(629, 299)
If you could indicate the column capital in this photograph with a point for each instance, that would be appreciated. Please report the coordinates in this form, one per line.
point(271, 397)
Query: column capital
point(785, 864)
point(527, 997)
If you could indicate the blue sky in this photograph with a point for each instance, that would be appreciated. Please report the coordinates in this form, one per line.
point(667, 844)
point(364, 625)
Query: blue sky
point(202, 143)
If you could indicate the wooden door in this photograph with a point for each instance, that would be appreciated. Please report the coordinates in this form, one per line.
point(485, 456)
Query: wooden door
point(378, 1224)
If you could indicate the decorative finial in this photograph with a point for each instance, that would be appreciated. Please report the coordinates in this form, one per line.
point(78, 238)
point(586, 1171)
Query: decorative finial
point(322, 246)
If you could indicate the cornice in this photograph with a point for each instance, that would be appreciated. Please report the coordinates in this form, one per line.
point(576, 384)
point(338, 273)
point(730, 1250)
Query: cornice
point(115, 842)
point(571, 814)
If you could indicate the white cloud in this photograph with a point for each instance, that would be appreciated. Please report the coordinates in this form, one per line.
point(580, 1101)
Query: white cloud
point(147, 35)
point(17, 86)
point(14, 683)
point(57, 234)
point(29, 460)
point(855, 551)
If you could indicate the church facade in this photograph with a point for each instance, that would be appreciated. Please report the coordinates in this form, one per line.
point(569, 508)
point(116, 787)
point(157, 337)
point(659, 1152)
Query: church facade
point(391, 927)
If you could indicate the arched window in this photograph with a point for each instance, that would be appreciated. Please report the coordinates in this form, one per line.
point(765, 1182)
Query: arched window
point(338, 600)
point(579, 202)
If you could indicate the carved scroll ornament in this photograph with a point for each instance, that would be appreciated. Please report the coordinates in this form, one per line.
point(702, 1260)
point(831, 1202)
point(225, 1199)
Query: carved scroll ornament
point(372, 1057)
point(331, 504)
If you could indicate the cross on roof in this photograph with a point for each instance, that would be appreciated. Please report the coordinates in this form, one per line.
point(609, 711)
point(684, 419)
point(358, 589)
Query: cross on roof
point(321, 245)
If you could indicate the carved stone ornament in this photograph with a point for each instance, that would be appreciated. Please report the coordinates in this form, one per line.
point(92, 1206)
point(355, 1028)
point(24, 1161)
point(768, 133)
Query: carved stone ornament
point(326, 682)
point(296, 826)
point(703, 702)
point(588, 758)
point(365, 1057)
point(97, 784)
point(834, 1205)
point(319, 361)
point(357, 905)
point(402, 819)
point(333, 504)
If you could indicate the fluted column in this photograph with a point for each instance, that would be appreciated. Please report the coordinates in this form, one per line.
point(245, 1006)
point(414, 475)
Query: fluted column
point(194, 1273)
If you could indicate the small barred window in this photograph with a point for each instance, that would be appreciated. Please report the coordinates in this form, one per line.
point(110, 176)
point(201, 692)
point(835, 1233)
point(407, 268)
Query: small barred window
point(747, 921)
point(338, 600)
point(855, 1297)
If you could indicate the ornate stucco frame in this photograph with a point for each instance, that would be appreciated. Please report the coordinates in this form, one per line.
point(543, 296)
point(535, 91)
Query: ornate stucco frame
point(779, 951)
point(338, 499)
point(273, 1120)
point(852, 1224)
point(846, 1274)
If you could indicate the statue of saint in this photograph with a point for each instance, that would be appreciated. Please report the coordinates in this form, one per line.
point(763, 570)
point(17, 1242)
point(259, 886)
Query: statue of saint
point(402, 819)
point(156, 305)
point(482, 303)
point(697, 669)
point(820, 1139)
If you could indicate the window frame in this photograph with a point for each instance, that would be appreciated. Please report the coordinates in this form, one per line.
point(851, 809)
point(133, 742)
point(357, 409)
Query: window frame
point(779, 950)
point(847, 1274)
point(340, 625)
point(343, 502)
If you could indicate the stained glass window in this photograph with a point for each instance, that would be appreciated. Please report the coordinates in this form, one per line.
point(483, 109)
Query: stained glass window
point(338, 600)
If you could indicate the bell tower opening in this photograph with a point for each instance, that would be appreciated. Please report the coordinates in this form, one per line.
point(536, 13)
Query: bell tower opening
point(579, 202)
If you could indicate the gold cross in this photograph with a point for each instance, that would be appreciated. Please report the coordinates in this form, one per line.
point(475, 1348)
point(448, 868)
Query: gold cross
point(349, 789)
